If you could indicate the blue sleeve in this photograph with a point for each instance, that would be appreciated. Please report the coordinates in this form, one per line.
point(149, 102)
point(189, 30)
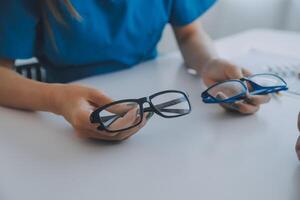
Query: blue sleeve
point(18, 23)
point(184, 12)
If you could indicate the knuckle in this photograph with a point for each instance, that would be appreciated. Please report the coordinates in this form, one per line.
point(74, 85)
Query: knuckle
point(77, 123)
point(110, 134)
point(249, 110)
point(123, 137)
point(143, 124)
point(244, 109)
point(95, 92)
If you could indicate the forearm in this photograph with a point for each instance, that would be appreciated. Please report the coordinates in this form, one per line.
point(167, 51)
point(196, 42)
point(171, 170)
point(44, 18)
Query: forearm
point(19, 92)
point(196, 47)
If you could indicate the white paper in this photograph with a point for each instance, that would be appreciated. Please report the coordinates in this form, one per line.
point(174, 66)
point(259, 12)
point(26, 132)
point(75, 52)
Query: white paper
point(263, 62)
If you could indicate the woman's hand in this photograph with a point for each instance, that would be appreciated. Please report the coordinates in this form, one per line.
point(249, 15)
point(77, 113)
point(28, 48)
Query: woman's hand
point(298, 148)
point(76, 103)
point(218, 70)
point(298, 141)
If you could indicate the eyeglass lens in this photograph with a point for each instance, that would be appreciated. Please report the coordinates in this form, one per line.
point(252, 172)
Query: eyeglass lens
point(227, 90)
point(171, 104)
point(266, 80)
point(231, 89)
point(121, 116)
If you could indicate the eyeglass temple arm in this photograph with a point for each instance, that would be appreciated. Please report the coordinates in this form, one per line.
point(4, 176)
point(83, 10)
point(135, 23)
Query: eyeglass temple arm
point(161, 107)
point(173, 110)
point(170, 103)
point(110, 119)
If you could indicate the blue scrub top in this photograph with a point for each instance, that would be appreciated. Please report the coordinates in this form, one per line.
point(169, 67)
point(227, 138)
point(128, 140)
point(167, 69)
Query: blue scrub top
point(112, 35)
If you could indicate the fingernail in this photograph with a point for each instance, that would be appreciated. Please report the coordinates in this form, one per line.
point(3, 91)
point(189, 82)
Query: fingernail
point(149, 115)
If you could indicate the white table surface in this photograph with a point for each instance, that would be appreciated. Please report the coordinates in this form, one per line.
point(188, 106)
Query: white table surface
point(209, 154)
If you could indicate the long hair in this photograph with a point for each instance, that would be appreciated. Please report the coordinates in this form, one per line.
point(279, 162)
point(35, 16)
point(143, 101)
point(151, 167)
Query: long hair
point(54, 7)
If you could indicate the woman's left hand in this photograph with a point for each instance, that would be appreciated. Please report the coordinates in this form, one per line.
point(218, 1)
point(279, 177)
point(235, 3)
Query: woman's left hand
point(298, 148)
point(218, 70)
point(298, 141)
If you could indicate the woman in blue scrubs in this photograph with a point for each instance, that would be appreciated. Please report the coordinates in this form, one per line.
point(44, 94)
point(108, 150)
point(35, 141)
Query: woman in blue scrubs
point(75, 39)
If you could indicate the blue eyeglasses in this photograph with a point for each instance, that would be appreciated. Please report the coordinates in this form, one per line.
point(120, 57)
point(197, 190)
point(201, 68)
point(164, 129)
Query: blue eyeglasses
point(234, 90)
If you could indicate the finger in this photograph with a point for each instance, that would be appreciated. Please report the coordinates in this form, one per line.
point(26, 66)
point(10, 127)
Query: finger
point(258, 100)
point(92, 134)
point(98, 98)
point(298, 148)
point(122, 108)
point(145, 119)
point(209, 82)
point(85, 124)
point(241, 108)
point(246, 108)
point(119, 136)
point(238, 106)
point(233, 72)
point(129, 119)
point(246, 72)
point(229, 106)
point(219, 70)
point(221, 96)
point(83, 121)
point(127, 134)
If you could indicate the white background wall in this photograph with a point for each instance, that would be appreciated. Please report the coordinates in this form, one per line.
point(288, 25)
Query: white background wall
point(228, 17)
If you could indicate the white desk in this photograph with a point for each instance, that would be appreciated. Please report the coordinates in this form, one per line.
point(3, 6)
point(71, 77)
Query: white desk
point(209, 154)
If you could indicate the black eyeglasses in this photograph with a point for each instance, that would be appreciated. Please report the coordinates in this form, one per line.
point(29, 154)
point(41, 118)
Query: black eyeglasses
point(126, 114)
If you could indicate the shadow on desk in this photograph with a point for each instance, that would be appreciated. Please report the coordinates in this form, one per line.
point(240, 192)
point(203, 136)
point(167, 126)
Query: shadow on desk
point(45, 137)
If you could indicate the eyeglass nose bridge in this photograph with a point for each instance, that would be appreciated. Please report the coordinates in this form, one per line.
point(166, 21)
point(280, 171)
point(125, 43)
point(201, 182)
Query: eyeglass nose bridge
point(150, 108)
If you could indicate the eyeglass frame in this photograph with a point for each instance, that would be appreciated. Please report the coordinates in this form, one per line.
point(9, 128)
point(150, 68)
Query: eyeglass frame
point(95, 115)
point(257, 89)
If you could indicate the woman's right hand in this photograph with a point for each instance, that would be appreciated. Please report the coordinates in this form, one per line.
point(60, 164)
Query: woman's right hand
point(75, 103)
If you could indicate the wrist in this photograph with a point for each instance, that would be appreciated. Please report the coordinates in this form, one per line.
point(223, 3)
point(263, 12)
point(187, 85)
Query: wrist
point(53, 97)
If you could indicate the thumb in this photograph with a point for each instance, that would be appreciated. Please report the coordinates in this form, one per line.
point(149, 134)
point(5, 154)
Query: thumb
point(233, 72)
point(221, 96)
point(98, 98)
